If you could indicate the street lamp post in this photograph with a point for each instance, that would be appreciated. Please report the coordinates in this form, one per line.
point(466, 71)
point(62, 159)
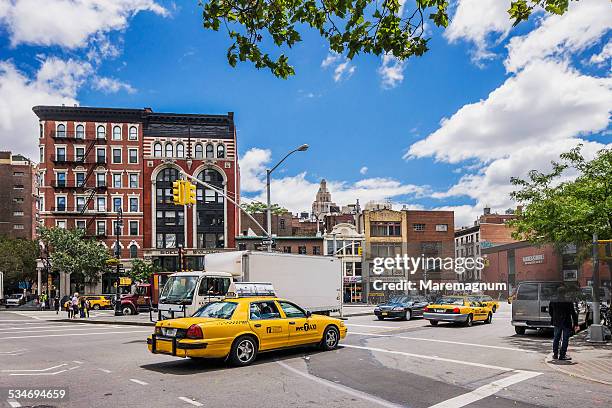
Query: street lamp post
point(118, 224)
point(302, 148)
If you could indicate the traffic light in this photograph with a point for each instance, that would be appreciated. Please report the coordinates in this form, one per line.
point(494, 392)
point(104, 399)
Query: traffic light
point(190, 193)
point(178, 192)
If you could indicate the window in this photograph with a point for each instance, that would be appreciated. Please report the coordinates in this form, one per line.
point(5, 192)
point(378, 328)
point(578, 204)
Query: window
point(385, 229)
point(418, 227)
point(316, 250)
point(101, 204)
point(441, 227)
point(60, 203)
point(80, 224)
point(79, 132)
point(100, 228)
point(60, 154)
point(116, 133)
point(117, 228)
point(263, 311)
point(221, 151)
point(199, 152)
point(133, 251)
point(60, 179)
point(100, 179)
point(17, 213)
point(214, 286)
point(180, 150)
point(133, 180)
point(42, 154)
point(133, 227)
point(527, 291)
point(117, 204)
point(287, 249)
point(60, 224)
point(41, 130)
point(116, 155)
point(18, 226)
point(133, 204)
point(157, 150)
point(117, 180)
point(80, 203)
point(79, 154)
point(133, 135)
point(18, 200)
point(302, 250)
point(210, 151)
point(101, 132)
point(291, 310)
point(169, 150)
point(101, 155)
point(61, 131)
point(133, 156)
point(18, 187)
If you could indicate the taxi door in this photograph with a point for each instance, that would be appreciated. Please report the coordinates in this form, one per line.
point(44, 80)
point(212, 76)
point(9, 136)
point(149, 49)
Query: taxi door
point(266, 321)
point(480, 313)
point(302, 329)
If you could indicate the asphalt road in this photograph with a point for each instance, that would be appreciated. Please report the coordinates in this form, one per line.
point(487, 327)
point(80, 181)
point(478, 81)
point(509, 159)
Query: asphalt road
point(380, 364)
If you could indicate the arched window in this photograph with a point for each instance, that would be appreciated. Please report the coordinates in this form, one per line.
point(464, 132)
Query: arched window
point(220, 151)
point(169, 150)
point(199, 151)
point(210, 151)
point(157, 150)
point(180, 150)
point(101, 132)
point(133, 133)
point(133, 251)
point(210, 211)
point(61, 130)
point(116, 133)
point(79, 132)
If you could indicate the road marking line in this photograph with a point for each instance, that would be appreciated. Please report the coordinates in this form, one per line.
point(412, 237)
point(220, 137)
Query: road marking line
point(53, 330)
point(192, 402)
point(138, 381)
point(55, 373)
point(486, 390)
point(436, 358)
point(13, 404)
point(44, 369)
point(30, 316)
point(371, 325)
point(14, 351)
point(445, 341)
point(77, 361)
point(75, 334)
point(105, 370)
point(347, 390)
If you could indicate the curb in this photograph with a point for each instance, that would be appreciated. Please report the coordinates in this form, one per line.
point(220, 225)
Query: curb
point(144, 324)
point(561, 370)
point(359, 314)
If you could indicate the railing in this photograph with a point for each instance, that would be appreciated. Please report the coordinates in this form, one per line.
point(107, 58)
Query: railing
point(76, 136)
point(78, 210)
point(76, 184)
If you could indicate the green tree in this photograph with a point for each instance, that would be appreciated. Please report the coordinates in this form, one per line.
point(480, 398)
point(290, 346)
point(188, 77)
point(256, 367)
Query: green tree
point(70, 252)
point(141, 271)
point(568, 204)
point(18, 259)
point(350, 27)
point(259, 207)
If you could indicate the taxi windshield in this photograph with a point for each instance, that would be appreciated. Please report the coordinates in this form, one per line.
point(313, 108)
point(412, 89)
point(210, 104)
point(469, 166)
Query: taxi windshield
point(217, 310)
point(178, 288)
point(450, 301)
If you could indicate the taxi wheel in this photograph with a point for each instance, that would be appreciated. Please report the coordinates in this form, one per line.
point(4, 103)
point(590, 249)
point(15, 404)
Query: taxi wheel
point(244, 351)
point(494, 308)
point(470, 321)
point(331, 337)
point(96, 307)
point(489, 319)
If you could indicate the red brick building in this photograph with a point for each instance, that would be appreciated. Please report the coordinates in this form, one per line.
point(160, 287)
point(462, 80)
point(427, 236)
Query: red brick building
point(97, 161)
point(17, 205)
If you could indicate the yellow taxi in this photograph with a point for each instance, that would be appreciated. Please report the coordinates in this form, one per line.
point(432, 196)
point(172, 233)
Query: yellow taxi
point(487, 300)
point(457, 309)
point(237, 329)
point(98, 302)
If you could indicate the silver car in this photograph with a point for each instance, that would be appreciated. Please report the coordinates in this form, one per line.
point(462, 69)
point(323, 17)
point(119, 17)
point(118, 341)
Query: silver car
point(15, 300)
point(530, 308)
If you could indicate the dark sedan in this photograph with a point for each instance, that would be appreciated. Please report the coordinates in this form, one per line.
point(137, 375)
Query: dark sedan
point(402, 307)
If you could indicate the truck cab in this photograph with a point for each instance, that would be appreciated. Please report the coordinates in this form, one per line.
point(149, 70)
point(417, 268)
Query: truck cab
point(186, 292)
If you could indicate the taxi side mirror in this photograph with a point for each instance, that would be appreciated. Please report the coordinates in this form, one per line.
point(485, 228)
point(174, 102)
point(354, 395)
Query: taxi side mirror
point(308, 313)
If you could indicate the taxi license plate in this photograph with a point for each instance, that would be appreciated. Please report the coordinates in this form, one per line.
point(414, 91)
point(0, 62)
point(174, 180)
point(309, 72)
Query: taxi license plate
point(440, 310)
point(384, 313)
point(170, 332)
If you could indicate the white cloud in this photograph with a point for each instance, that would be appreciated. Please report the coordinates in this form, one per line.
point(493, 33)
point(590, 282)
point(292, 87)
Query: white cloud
point(476, 21)
point(55, 83)
point(111, 85)
point(391, 71)
point(546, 102)
point(580, 27)
point(331, 59)
point(343, 69)
point(363, 170)
point(68, 23)
point(603, 57)
point(253, 169)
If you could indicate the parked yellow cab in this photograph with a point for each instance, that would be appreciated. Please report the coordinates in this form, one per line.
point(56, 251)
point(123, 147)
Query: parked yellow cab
point(457, 309)
point(487, 300)
point(238, 329)
point(98, 302)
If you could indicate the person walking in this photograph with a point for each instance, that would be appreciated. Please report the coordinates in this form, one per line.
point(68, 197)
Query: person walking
point(565, 322)
point(56, 304)
point(75, 304)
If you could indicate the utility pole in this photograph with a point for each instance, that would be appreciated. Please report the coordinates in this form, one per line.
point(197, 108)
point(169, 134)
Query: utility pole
point(118, 224)
point(596, 334)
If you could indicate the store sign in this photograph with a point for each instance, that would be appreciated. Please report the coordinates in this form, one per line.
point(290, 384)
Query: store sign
point(570, 275)
point(352, 279)
point(533, 259)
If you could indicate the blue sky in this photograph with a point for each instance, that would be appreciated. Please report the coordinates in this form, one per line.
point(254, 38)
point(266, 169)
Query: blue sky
point(486, 103)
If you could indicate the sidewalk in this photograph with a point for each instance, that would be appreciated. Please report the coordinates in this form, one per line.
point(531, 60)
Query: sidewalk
point(591, 362)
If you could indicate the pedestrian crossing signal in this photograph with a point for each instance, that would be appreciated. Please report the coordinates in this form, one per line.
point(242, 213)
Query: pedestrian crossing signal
point(190, 193)
point(178, 192)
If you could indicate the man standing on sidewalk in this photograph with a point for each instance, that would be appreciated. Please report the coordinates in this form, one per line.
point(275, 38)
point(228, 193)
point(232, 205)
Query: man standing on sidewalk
point(564, 320)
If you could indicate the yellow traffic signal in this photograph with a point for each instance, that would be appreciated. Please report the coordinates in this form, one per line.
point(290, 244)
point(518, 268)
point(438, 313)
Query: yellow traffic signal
point(190, 193)
point(178, 192)
point(359, 251)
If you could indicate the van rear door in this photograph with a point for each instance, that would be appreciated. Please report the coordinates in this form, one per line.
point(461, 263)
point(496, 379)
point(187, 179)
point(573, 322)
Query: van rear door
point(525, 306)
point(548, 291)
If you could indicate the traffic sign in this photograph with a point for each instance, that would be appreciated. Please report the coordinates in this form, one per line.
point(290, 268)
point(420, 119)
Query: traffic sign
point(267, 241)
